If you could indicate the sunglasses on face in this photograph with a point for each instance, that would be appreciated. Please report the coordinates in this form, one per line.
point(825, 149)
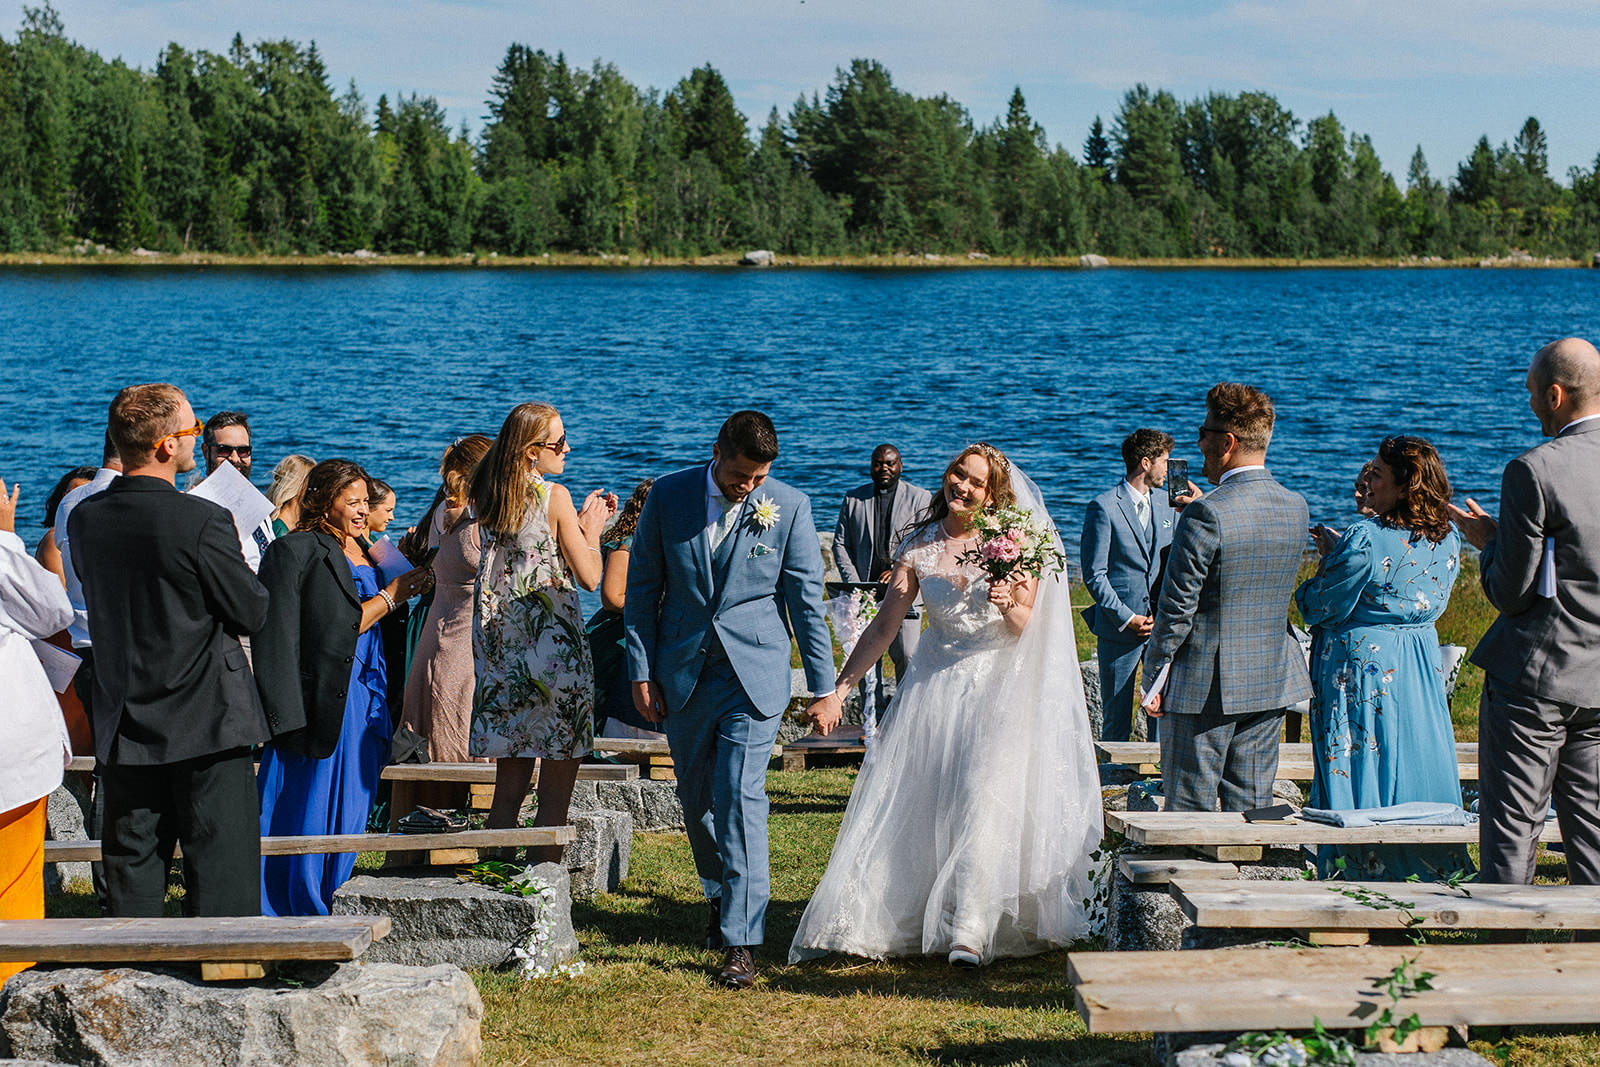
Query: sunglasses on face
point(242, 451)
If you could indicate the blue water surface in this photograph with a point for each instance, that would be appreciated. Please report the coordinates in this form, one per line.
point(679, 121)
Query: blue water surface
point(387, 366)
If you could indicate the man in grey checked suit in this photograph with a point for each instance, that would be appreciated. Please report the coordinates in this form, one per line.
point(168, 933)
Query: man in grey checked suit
point(1539, 719)
point(871, 521)
point(1221, 630)
point(1125, 531)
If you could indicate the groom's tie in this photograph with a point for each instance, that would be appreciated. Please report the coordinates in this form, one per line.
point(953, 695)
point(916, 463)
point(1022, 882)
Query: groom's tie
point(1141, 508)
point(723, 527)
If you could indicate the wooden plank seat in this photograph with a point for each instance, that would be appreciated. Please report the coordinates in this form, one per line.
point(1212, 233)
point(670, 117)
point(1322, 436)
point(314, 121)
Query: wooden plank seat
point(844, 742)
point(442, 848)
point(455, 772)
point(1152, 869)
point(1295, 761)
point(1290, 989)
point(1346, 912)
point(1225, 835)
point(237, 947)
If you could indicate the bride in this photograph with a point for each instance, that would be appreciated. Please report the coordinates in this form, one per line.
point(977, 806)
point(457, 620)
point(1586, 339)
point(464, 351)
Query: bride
point(970, 826)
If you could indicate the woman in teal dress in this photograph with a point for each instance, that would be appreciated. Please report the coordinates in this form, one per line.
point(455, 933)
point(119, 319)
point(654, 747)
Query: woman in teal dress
point(1380, 719)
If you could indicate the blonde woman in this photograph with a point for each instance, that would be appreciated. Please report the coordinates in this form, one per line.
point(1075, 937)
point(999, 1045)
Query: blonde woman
point(288, 479)
point(535, 697)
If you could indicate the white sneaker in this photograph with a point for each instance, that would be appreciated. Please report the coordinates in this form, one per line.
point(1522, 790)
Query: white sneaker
point(961, 956)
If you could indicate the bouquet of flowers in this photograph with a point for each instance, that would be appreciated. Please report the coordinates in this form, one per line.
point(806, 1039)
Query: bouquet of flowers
point(1013, 544)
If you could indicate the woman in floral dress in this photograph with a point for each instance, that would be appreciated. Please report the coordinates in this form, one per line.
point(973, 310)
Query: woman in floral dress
point(535, 680)
point(1380, 719)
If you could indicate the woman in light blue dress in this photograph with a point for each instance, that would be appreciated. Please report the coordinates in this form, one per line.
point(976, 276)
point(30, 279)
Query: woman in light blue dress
point(1380, 718)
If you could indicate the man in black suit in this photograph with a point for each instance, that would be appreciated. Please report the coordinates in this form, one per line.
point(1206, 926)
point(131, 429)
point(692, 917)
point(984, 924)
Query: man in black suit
point(175, 708)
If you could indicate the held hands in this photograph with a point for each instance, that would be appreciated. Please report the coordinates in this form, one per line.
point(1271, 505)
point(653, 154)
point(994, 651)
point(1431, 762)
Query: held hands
point(8, 506)
point(414, 582)
point(1142, 624)
point(825, 712)
point(647, 701)
point(1324, 538)
point(598, 507)
point(1475, 524)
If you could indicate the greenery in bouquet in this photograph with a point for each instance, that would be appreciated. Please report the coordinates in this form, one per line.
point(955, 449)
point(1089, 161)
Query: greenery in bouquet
point(1013, 543)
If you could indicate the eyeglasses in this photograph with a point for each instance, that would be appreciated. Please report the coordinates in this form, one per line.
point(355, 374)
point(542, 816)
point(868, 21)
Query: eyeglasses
point(1204, 429)
point(194, 431)
point(243, 451)
point(558, 445)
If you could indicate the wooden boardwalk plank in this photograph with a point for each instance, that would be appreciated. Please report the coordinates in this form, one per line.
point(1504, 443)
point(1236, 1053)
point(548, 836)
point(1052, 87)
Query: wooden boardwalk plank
point(517, 836)
point(244, 939)
point(1305, 905)
point(1265, 989)
point(1190, 829)
point(1160, 870)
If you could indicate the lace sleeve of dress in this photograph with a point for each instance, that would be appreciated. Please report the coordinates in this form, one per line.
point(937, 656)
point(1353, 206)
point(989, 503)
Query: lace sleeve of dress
point(921, 551)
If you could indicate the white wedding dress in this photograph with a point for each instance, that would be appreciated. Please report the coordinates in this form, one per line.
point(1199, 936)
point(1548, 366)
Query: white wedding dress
point(973, 817)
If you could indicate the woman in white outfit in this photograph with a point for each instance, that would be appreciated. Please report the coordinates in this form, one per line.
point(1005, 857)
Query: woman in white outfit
point(971, 824)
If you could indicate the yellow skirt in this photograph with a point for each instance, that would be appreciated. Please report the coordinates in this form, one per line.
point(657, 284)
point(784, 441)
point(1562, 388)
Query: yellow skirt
point(21, 869)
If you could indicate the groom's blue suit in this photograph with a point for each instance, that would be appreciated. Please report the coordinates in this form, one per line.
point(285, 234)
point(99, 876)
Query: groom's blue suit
point(712, 629)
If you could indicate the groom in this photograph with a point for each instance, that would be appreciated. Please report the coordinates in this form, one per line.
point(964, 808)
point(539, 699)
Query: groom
point(725, 564)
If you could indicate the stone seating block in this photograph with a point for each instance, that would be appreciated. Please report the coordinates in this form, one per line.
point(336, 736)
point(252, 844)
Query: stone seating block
point(446, 920)
point(309, 1015)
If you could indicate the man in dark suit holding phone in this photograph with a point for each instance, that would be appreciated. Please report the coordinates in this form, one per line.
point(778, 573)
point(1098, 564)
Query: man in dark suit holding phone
point(175, 706)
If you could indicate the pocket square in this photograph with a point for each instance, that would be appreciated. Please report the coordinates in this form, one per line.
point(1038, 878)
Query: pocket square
point(759, 549)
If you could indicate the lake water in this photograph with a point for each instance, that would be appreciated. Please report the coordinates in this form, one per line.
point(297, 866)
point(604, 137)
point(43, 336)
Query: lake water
point(387, 366)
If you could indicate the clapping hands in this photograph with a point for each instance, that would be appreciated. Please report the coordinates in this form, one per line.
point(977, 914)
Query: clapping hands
point(8, 506)
point(598, 508)
point(1475, 524)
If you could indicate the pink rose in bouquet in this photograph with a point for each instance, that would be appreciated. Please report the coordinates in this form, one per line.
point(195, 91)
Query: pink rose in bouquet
point(1012, 544)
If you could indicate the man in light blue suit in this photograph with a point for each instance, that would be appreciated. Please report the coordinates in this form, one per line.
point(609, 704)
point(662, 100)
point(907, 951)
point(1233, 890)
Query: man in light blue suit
point(1125, 532)
point(725, 565)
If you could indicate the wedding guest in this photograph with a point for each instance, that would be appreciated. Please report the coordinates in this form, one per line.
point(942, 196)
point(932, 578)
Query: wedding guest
point(1539, 722)
point(440, 682)
point(614, 713)
point(46, 551)
point(288, 478)
point(175, 712)
point(1363, 492)
point(33, 604)
point(227, 440)
point(1380, 718)
point(872, 520)
point(382, 513)
point(1126, 530)
point(535, 678)
point(1220, 633)
point(319, 666)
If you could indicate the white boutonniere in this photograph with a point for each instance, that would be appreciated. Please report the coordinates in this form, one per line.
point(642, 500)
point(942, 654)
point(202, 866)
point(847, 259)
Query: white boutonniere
point(759, 549)
point(764, 513)
point(1165, 523)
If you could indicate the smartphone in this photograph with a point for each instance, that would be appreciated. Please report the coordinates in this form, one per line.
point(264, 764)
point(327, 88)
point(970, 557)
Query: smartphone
point(1177, 480)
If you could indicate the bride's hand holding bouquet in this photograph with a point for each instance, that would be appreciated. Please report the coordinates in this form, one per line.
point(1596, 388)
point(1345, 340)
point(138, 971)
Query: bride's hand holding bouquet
point(1015, 549)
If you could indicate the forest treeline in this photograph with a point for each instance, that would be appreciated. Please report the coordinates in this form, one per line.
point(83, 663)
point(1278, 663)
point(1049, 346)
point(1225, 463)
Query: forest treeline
point(253, 151)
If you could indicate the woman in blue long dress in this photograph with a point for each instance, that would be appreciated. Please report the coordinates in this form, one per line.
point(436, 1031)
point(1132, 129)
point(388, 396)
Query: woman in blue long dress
point(1380, 719)
point(320, 670)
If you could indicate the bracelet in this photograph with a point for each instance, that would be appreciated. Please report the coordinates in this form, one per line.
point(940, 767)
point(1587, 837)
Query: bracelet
point(387, 599)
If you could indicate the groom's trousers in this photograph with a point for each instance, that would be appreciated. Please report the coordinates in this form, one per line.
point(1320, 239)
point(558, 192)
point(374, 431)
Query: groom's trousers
point(720, 750)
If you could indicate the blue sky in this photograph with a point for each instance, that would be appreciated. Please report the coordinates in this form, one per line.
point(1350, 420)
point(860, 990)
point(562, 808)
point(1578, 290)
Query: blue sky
point(1433, 72)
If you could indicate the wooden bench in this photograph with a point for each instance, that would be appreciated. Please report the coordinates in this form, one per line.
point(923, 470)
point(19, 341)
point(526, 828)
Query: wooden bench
point(1291, 989)
point(651, 754)
point(1223, 835)
point(226, 948)
point(1151, 869)
point(478, 776)
point(459, 847)
point(1345, 913)
point(1295, 761)
point(843, 743)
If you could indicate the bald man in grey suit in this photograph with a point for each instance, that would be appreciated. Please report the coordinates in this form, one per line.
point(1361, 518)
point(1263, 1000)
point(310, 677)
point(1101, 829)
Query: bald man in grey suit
point(1539, 719)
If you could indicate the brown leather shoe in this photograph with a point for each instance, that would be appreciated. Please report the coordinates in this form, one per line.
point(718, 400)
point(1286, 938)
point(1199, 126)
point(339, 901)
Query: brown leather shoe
point(739, 968)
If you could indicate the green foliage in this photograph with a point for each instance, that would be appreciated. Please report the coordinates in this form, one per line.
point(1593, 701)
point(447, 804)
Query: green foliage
point(250, 150)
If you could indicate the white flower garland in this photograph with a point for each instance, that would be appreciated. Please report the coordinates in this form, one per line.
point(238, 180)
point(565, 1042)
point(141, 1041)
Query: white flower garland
point(536, 945)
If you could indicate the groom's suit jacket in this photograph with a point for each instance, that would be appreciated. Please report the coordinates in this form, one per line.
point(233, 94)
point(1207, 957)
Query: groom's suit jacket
point(681, 606)
point(1121, 562)
point(1222, 617)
